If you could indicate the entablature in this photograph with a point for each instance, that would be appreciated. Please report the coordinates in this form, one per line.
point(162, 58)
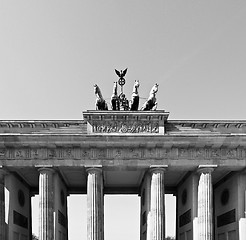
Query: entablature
point(123, 154)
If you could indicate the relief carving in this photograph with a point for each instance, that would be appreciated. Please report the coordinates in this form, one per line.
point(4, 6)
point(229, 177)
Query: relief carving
point(215, 153)
point(231, 153)
point(165, 153)
point(118, 153)
point(85, 153)
point(125, 127)
point(150, 153)
point(18, 153)
point(134, 153)
point(69, 153)
point(101, 153)
point(34, 153)
point(199, 153)
point(51, 153)
point(183, 153)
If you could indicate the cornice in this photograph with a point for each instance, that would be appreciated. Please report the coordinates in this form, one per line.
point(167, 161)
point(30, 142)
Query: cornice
point(206, 126)
point(39, 123)
point(208, 123)
point(80, 126)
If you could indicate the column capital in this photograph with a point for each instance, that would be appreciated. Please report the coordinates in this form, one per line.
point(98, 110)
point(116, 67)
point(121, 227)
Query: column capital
point(93, 168)
point(45, 168)
point(158, 168)
point(206, 168)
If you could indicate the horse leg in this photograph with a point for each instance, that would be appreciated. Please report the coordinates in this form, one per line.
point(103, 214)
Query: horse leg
point(154, 107)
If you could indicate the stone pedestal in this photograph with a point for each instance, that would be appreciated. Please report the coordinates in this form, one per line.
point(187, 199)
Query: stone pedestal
point(156, 215)
point(205, 204)
point(95, 204)
point(2, 207)
point(46, 204)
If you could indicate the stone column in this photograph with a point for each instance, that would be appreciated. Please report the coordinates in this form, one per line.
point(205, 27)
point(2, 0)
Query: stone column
point(156, 214)
point(2, 206)
point(95, 204)
point(46, 206)
point(205, 203)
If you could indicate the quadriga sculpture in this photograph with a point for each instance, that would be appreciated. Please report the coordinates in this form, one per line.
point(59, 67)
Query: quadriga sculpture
point(151, 103)
point(100, 102)
point(135, 97)
point(115, 100)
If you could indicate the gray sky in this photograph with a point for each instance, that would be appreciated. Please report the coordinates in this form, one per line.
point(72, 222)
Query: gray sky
point(52, 52)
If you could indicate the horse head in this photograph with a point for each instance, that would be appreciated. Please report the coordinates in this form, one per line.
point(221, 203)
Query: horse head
point(136, 86)
point(115, 89)
point(154, 89)
point(96, 88)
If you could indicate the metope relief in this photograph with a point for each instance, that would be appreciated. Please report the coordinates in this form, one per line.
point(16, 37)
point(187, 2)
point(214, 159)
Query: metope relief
point(134, 153)
point(117, 154)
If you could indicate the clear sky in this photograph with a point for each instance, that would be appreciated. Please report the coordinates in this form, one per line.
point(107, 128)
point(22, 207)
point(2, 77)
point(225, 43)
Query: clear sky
point(52, 52)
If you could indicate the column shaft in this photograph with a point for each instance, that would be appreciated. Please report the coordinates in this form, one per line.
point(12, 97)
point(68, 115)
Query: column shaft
point(156, 215)
point(95, 205)
point(2, 207)
point(205, 205)
point(46, 206)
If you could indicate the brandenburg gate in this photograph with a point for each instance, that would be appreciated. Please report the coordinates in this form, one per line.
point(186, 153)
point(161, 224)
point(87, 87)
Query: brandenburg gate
point(124, 152)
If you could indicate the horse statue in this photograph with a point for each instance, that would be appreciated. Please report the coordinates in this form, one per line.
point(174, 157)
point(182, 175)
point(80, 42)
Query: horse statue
point(135, 97)
point(115, 100)
point(100, 102)
point(151, 103)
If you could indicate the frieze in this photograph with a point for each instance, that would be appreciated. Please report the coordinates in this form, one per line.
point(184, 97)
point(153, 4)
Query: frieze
point(124, 153)
point(208, 153)
point(125, 127)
